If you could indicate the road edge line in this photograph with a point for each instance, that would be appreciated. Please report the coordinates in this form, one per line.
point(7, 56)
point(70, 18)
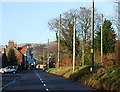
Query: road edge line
point(8, 84)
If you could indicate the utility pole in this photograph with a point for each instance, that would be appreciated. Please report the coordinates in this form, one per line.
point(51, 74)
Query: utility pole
point(74, 29)
point(48, 54)
point(43, 57)
point(118, 19)
point(118, 50)
point(59, 41)
point(92, 37)
point(101, 37)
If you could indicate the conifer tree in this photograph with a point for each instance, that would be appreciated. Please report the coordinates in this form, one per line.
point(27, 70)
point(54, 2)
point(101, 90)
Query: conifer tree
point(12, 59)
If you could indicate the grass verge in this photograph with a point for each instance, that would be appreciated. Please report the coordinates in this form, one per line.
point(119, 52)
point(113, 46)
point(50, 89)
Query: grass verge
point(102, 78)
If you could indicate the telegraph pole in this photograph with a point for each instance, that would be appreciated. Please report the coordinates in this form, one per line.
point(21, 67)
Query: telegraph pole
point(101, 37)
point(118, 50)
point(59, 41)
point(43, 57)
point(92, 37)
point(48, 54)
point(74, 29)
point(118, 20)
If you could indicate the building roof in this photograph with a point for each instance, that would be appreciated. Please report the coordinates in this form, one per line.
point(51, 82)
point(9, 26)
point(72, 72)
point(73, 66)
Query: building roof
point(23, 50)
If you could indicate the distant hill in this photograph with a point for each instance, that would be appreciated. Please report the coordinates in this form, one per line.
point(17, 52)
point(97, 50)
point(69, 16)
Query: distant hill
point(37, 49)
point(52, 45)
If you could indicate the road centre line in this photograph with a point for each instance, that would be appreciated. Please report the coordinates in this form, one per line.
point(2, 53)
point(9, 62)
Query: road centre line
point(41, 80)
point(44, 85)
point(47, 89)
point(39, 76)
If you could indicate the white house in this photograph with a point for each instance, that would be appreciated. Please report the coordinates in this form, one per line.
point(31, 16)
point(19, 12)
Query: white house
point(29, 60)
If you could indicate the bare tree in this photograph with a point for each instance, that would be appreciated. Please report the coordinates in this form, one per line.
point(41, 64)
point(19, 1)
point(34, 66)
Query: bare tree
point(117, 23)
point(66, 32)
point(117, 19)
point(83, 28)
point(84, 19)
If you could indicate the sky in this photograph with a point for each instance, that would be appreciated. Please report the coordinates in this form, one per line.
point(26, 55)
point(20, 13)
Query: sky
point(27, 22)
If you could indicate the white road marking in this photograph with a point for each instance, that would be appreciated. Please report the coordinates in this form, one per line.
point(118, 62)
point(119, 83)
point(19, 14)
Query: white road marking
point(47, 89)
point(39, 76)
point(41, 80)
point(44, 85)
point(8, 84)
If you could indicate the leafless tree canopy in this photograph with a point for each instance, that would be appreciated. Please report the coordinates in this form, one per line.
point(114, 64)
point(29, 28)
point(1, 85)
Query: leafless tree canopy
point(83, 27)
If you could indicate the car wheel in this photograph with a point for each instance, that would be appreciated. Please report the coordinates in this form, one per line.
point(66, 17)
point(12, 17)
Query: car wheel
point(14, 72)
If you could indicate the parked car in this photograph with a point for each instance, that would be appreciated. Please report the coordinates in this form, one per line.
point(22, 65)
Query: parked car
point(2, 70)
point(10, 69)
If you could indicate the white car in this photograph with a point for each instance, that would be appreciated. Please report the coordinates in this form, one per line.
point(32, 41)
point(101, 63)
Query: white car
point(2, 70)
point(9, 69)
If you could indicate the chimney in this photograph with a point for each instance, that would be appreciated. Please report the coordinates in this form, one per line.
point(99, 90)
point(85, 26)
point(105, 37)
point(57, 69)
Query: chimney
point(11, 44)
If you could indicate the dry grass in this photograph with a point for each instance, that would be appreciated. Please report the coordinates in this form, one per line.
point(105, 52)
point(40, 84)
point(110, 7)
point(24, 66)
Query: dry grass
point(103, 78)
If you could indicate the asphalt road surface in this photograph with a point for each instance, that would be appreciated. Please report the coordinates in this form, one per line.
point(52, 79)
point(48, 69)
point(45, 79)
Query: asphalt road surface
point(39, 81)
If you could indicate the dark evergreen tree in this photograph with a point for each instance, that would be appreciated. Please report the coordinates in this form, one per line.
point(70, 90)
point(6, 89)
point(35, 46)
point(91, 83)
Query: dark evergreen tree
point(12, 59)
point(108, 38)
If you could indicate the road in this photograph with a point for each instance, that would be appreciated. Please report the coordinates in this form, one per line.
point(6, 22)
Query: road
point(39, 81)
